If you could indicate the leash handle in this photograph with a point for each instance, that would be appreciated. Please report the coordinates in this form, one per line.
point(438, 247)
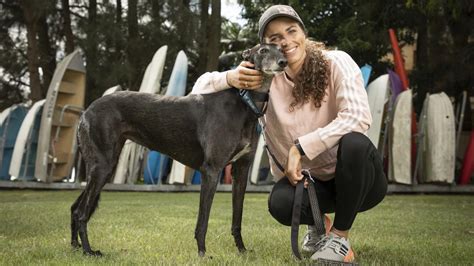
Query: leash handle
point(295, 220)
point(296, 215)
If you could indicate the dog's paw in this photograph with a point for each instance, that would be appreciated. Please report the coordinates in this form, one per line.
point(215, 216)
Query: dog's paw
point(75, 245)
point(242, 249)
point(202, 254)
point(93, 253)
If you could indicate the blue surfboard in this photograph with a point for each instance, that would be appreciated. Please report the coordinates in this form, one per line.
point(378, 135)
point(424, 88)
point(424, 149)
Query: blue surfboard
point(9, 126)
point(366, 70)
point(196, 178)
point(23, 161)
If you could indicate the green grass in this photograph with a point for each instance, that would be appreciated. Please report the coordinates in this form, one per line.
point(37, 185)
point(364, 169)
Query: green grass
point(158, 228)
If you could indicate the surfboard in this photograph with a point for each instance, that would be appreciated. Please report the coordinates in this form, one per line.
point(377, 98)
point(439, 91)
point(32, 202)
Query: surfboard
point(468, 162)
point(366, 70)
point(22, 165)
point(128, 164)
point(395, 88)
point(62, 108)
point(260, 153)
point(438, 149)
point(112, 90)
point(399, 168)
point(378, 95)
point(177, 87)
point(419, 164)
point(196, 180)
point(10, 123)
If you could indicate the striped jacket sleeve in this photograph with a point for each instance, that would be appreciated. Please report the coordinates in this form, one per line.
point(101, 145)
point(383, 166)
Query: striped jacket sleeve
point(210, 82)
point(353, 112)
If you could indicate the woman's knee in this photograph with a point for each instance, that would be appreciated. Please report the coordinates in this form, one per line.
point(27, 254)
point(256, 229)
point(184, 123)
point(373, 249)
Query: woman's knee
point(354, 146)
point(280, 201)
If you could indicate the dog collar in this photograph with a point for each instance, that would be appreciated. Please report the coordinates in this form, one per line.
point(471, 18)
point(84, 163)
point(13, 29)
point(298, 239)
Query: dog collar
point(249, 98)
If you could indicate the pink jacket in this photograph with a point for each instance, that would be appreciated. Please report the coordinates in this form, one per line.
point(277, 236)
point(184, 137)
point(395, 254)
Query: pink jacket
point(344, 109)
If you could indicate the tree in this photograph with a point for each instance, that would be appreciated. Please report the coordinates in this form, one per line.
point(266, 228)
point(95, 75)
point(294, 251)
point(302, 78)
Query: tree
point(214, 36)
point(31, 17)
point(66, 24)
point(442, 30)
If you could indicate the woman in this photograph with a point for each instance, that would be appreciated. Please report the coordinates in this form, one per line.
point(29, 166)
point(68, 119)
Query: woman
point(316, 119)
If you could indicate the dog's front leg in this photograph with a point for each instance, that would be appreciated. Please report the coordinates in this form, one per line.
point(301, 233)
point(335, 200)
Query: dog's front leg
point(240, 171)
point(208, 189)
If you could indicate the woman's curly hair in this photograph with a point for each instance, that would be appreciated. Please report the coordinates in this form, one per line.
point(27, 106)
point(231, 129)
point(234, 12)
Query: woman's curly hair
point(313, 79)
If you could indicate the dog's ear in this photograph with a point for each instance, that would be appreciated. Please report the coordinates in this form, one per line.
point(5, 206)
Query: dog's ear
point(246, 54)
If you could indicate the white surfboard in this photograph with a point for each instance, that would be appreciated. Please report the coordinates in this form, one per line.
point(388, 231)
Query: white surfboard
point(128, 164)
point(438, 149)
point(112, 90)
point(399, 169)
point(260, 153)
point(23, 140)
point(378, 95)
point(61, 111)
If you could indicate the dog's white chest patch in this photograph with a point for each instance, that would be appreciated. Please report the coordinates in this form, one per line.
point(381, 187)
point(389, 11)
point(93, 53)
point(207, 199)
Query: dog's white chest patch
point(241, 153)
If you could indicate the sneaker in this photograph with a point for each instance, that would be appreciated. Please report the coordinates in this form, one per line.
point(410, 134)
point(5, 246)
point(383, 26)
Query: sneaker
point(312, 238)
point(333, 248)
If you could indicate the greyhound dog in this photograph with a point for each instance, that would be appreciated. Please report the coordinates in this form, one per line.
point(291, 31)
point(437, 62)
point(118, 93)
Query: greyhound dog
point(205, 132)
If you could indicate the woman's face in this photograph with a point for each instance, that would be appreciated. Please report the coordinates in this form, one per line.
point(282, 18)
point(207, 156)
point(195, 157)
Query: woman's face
point(288, 34)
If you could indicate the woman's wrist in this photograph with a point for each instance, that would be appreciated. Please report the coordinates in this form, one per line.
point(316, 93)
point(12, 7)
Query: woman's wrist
point(300, 149)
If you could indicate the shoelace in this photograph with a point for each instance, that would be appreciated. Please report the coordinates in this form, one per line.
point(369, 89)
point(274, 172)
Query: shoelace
point(312, 239)
point(323, 242)
point(333, 243)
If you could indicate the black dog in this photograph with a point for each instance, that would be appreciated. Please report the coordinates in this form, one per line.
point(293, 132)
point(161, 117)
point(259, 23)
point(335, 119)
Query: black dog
point(205, 132)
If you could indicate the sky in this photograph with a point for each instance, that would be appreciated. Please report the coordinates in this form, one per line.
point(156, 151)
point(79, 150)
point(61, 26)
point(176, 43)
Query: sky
point(231, 10)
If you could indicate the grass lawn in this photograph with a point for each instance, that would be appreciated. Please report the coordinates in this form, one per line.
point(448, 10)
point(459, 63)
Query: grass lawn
point(158, 228)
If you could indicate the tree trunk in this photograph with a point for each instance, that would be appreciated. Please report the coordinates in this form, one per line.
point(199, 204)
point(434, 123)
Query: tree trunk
point(67, 31)
point(132, 47)
point(203, 49)
point(118, 37)
point(155, 12)
point(47, 54)
point(91, 52)
point(32, 50)
point(184, 24)
point(214, 37)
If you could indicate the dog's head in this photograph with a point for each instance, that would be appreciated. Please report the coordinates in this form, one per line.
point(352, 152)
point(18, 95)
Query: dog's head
point(267, 58)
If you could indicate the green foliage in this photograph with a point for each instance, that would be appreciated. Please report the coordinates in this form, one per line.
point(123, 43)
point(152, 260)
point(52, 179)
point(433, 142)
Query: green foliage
point(444, 58)
point(443, 31)
point(158, 228)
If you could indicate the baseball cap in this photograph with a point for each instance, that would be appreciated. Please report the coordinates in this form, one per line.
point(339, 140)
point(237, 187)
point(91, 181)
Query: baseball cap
point(275, 12)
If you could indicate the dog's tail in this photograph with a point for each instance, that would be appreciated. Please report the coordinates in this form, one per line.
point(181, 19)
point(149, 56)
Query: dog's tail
point(80, 167)
point(80, 164)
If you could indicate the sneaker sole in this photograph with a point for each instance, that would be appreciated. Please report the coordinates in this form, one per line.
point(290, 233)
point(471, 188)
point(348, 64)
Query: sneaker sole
point(334, 263)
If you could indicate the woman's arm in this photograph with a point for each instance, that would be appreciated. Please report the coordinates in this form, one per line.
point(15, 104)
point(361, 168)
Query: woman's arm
point(243, 77)
point(352, 107)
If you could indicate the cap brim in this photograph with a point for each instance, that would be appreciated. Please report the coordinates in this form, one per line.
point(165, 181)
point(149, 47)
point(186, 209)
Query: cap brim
point(272, 17)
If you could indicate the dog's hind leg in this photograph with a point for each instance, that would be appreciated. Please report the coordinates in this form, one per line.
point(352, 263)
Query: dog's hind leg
point(208, 189)
point(240, 170)
point(74, 223)
point(88, 202)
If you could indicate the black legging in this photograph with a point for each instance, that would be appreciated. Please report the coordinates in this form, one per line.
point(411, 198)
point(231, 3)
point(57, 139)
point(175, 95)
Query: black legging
point(359, 184)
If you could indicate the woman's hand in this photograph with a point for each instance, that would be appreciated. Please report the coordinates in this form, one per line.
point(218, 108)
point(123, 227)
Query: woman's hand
point(244, 77)
point(293, 166)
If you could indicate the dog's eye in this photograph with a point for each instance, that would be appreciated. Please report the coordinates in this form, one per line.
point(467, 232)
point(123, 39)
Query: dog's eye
point(263, 50)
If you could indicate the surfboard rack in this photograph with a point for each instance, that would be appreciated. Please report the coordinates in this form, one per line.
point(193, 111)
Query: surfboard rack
point(392, 188)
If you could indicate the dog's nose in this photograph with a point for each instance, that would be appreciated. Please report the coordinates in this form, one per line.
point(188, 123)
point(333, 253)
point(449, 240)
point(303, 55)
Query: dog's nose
point(282, 62)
